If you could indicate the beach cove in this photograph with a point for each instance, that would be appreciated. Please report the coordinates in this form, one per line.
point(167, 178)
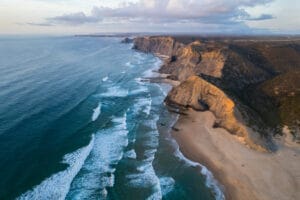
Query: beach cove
point(240, 161)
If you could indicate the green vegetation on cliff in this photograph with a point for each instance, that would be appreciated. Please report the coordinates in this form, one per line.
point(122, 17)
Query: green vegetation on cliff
point(261, 75)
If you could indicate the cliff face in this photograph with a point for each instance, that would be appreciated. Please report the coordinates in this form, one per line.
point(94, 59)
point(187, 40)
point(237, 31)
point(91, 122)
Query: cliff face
point(227, 63)
point(232, 73)
point(195, 58)
point(201, 95)
point(161, 45)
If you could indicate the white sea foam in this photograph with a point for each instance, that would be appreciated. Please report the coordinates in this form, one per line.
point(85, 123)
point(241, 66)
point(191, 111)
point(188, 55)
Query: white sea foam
point(115, 91)
point(153, 124)
point(149, 73)
point(151, 143)
point(105, 79)
point(164, 88)
point(145, 177)
point(121, 122)
point(129, 64)
point(143, 105)
point(148, 106)
point(166, 184)
point(139, 57)
point(130, 154)
point(98, 171)
point(139, 80)
point(140, 90)
point(58, 185)
point(210, 181)
point(96, 113)
point(153, 71)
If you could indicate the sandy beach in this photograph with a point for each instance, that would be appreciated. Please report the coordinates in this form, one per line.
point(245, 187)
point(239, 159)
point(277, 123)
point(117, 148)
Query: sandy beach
point(244, 173)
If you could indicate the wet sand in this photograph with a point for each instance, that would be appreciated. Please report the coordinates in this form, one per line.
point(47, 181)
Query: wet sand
point(244, 173)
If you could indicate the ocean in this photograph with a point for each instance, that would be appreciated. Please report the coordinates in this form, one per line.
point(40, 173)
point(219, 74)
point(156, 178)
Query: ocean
point(78, 121)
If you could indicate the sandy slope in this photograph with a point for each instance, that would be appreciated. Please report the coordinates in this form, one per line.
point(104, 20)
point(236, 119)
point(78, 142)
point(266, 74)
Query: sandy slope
point(246, 174)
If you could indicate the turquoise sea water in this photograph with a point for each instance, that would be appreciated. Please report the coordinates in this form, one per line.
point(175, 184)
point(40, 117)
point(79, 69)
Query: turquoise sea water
point(77, 121)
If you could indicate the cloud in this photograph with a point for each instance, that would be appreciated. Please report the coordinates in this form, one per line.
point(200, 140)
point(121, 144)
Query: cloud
point(261, 17)
point(218, 12)
point(179, 10)
point(73, 19)
point(40, 24)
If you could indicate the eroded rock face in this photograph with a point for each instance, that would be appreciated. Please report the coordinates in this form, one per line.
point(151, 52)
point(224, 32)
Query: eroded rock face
point(196, 92)
point(185, 60)
point(247, 70)
point(212, 63)
point(195, 59)
point(161, 45)
point(202, 95)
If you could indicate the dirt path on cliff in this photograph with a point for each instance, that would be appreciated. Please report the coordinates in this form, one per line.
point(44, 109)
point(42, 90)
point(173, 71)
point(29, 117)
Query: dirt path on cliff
point(246, 174)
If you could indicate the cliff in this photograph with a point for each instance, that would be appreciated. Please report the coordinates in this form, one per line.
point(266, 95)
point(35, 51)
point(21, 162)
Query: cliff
point(160, 45)
point(201, 95)
point(233, 75)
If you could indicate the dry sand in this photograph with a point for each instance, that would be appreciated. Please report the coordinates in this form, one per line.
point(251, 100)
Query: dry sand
point(245, 173)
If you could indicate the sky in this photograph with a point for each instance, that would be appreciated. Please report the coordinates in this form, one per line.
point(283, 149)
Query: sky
point(168, 16)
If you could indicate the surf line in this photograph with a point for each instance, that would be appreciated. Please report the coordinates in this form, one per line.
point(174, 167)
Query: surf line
point(58, 185)
point(97, 112)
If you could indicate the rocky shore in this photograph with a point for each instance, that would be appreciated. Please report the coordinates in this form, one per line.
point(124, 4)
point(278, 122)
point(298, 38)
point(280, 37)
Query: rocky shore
point(259, 80)
point(252, 89)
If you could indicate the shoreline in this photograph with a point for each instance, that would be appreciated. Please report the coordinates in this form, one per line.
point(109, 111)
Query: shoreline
point(244, 173)
point(239, 171)
point(213, 184)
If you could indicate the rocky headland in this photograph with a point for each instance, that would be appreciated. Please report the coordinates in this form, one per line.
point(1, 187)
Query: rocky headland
point(252, 83)
point(252, 88)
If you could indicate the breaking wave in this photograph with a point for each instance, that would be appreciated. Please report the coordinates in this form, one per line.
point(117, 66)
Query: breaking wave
point(96, 113)
point(105, 79)
point(97, 173)
point(115, 91)
point(209, 178)
point(57, 186)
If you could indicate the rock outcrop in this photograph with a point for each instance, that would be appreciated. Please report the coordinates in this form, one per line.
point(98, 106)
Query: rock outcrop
point(160, 45)
point(234, 74)
point(127, 40)
point(202, 95)
point(194, 58)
